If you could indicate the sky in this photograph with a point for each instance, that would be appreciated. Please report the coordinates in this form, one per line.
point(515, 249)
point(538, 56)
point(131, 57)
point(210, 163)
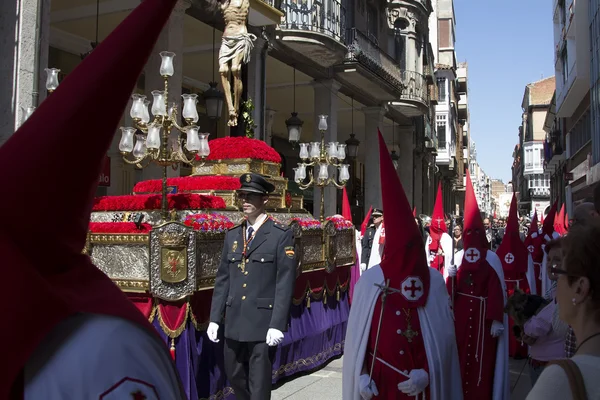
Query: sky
point(507, 44)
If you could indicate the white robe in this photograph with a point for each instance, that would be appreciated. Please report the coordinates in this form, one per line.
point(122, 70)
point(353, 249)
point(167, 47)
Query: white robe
point(501, 375)
point(446, 243)
point(87, 356)
point(531, 274)
point(437, 326)
point(358, 245)
point(376, 250)
point(546, 282)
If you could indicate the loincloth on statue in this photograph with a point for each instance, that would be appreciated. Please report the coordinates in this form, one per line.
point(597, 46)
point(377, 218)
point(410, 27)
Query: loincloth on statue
point(234, 45)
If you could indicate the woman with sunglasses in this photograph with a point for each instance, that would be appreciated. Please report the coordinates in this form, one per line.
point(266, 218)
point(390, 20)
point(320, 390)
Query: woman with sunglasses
point(578, 296)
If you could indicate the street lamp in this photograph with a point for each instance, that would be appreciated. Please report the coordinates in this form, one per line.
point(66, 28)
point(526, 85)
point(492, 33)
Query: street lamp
point(294, 127)
point(395, 157)
point(156, 146)
point(213, 98)
point(352, 146)
point(322, 157)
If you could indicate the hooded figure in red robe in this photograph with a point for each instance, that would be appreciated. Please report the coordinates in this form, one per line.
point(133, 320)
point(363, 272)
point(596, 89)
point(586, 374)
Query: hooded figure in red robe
point(408, 342)
point(548, 233)
point(439, 244)
point(479, 296)
point(517, 265)
point(69, 332)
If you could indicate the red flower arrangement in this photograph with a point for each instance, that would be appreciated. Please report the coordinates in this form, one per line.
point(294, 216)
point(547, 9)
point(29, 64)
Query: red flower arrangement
point(208, 222)
point(118, 227)
point(184, 201)
point(288, 199)
point(340, 222)
point(307, 223)
point(241, 147)
point(190, 183)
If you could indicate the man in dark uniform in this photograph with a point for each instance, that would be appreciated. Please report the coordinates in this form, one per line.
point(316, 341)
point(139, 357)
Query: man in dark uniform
point(367, 240)
point(253, 288)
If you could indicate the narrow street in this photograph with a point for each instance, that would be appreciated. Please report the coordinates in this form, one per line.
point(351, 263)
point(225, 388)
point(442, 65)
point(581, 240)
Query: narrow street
point(326, 383)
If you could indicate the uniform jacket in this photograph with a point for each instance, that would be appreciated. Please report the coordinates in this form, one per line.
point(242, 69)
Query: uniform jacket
point(258, 298)
point(367, 244)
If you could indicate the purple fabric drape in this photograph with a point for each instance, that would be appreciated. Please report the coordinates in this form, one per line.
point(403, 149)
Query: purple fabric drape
point(315, 335)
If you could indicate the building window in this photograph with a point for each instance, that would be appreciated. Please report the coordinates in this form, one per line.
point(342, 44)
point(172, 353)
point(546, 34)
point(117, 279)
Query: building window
point(441, 130)
point(445, 33)
point(564, 60)
point(443, 93)
point(372, 21)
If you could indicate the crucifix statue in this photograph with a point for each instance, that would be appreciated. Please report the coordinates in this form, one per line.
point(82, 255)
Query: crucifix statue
point(236, 47)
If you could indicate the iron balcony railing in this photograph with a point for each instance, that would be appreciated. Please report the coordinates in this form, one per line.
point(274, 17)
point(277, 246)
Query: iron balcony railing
point(326, 16)
point(365, 51)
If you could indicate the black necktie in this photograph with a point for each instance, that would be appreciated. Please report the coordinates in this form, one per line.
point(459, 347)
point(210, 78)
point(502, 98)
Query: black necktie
point(249, 236)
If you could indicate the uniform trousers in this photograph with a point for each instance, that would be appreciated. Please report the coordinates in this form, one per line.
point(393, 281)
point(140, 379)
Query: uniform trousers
point(248, 366)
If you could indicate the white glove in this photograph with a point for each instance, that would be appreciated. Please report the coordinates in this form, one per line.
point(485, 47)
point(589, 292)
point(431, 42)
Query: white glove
point(452, 271)
point(418, 381)
point(497, 328)
point(367, 387)
point(274, 337)
point(363, 267)
point(212, 331)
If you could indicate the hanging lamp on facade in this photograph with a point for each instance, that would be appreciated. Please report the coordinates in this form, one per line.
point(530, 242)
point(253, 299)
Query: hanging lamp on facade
point(294, 123)
point(352, 143)
point(213, 97)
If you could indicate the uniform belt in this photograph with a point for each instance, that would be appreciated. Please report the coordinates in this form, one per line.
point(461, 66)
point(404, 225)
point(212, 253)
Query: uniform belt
point(480, 333)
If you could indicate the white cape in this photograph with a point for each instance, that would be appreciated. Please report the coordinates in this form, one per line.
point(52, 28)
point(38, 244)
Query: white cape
point(446, 243)
point(358, 246)
point(531, 274)
point(437, 326)
point(376, 250)
point(546, 282)
point(501, 376)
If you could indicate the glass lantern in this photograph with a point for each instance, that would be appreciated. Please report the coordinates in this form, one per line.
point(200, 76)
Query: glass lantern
point(166, 64)
point(139, 149)
point(322, 122)
point(51, 79)
point(294, 127)
point(27, 111)
point(315, 150)
point(190, 112)
point(344, 173)
point(303, 151)
point(159, 107)
point(341, 151)
point(126, 143)
point(323, 172)
point(145, 112)
point(137, 106)
point(153, 139)
point(204, 149)
point(193, 140)
point(302, 171)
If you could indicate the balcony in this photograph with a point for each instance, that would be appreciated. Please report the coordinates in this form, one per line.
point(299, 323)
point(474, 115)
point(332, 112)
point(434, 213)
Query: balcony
point(538, 192)
point(315, 29)
point(369, 69)
point(264, 13)
point(463, 106)
point(414, 100)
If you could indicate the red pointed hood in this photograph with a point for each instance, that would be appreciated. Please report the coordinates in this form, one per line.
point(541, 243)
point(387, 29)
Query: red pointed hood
point(415, 211)
point(365, 223)
point(346, 211)
point(66, 138)
point(512, 250)
point(542, 220)
point(532, 236)
point(403, 261)
point(438, 223)
point(474, 239)
point(548, 225)
point(566, 222)
point(559, 222)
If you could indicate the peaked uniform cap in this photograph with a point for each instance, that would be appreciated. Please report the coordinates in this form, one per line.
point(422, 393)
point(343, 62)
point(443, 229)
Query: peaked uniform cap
point(403, 262)
point(512, 251)
point(66, 138)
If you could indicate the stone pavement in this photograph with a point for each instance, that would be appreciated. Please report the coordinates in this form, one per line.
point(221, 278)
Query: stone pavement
point(326, 383)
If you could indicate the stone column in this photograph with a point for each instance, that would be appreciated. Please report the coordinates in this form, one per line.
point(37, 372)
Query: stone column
point(269, 120)
point(372, 183)
point(257, 87)
point(326, 102)
point(23, 55)
point(406, 162)
point(170, 39)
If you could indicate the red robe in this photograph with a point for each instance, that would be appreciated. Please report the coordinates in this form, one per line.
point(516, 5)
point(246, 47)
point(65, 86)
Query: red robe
point(395, 349)
point(438, 260)
point(516, 348)
point(470, 332)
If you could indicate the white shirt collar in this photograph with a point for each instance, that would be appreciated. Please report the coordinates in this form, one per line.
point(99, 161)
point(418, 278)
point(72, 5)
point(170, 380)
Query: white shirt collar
point(259, 221)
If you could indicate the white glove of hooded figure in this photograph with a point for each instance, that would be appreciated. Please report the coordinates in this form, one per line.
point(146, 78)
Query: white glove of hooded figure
point(363, 267)
point(212, 332)
point(452, 271)
point(367, 387)
point(418, 381)
point(274, 337)
point(497, 328)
